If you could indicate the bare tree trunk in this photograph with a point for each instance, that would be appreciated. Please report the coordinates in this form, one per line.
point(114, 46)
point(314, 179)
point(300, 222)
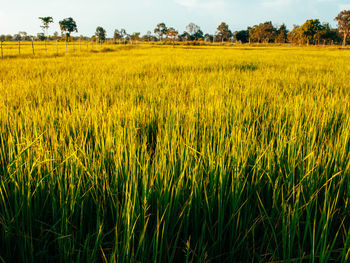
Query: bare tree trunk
point(344, 41)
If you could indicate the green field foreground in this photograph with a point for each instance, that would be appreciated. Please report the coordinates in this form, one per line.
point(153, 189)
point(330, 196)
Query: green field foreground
point(174, 154)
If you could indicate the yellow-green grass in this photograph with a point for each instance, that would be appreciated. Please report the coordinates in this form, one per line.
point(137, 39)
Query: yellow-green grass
point(173, 154)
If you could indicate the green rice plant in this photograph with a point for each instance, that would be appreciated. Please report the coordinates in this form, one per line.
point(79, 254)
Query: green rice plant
point(170, 154)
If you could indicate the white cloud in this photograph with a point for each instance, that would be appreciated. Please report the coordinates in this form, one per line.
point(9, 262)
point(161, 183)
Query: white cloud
point(208, 5)
point(276, 3)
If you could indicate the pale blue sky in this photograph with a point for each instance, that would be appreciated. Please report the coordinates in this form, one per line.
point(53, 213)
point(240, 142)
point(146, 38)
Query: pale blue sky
point(143, 15)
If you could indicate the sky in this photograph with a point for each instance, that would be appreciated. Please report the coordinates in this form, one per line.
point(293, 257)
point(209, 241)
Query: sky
point(144, 15)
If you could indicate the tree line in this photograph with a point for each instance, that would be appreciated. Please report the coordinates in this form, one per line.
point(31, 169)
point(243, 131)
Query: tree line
point(311, 32)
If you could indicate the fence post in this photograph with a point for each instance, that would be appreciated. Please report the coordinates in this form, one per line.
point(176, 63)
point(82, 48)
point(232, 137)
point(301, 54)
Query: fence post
point(33, 46)
point(2, 56)
point(57, 47)
point(66, 45)
point(19, 47)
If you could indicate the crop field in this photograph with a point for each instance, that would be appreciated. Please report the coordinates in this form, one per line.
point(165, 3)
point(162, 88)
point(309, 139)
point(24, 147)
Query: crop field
point(175, 154)
point(11, 49)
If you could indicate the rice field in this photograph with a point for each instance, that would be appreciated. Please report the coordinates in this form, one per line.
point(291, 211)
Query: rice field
point(175, 154)
point(11, 49)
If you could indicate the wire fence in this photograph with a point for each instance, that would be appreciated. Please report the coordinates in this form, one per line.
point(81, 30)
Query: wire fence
point(29, 48)
point(11, 49)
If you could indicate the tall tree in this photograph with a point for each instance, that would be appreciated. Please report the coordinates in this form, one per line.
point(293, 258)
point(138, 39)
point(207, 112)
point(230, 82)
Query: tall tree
point(329, 35)
point(41, 36)
point(223, 33)
point(135, 36)
point(46, 21)
point(192, 28)
point(208, 38)
point(55, 35)
point(294, 35)
point(17, 37)
point(149, 36)
point(194, 31)
point(242, 36)
point(264, 32)
point(123, 34)
point(8, 38)
point(119, 34)
point(172, 33)
point(100, 34)
point(24, 35)
point(68, 25)
point(198, 35)
point(185, 36)
point(116, 35)
point(343, 20)
point(310, 31)
point(282, 33)
point(161, 30)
